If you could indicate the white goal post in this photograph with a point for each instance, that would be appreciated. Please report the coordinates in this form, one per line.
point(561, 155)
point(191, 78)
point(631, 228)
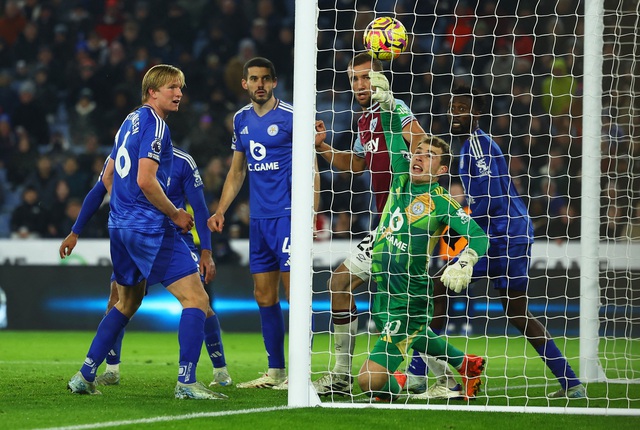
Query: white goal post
point(599, 332)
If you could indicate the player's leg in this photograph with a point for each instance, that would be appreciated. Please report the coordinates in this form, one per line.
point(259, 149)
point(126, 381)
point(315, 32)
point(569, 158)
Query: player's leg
point(127, 272)
point(111, 375)
point(469, 366)
point(378, 376)
point(513, 290)
point(215, 349)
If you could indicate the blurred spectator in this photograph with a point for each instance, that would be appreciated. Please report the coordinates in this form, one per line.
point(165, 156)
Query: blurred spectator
point(12, 22)
point(122, 103)
point(22, 161)
point(178, 23)
point(44, 179)
point(46, 93)
point(233, 71)
point(6, 56)
point(163, 49)
point(557, 92)
point(206, 140)
point(31, 115)
point(633, 230)
point(109, 25)
point(565, 225)
point(77, 180)
point(85, 118)
point(8, 140)
point(26, 47)
point(30, 218)
point(239, 225)
point(58, 209)
point(130, 39)
point(112, 73)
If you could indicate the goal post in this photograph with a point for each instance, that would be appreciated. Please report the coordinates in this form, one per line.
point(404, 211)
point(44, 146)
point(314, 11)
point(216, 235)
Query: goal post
point(585, 287)
point(590, 368)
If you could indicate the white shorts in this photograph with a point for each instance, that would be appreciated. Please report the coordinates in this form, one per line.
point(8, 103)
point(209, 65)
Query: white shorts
point(359, 261)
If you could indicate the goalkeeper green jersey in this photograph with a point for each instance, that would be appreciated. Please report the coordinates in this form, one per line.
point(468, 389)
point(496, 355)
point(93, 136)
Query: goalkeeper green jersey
point(413, 219)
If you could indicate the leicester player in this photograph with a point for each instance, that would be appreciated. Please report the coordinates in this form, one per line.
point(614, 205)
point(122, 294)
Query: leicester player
point(186, 185)
point(416, 213)
point(145, 246)
point(370, 152)
point(497, 207)
point(262, 144)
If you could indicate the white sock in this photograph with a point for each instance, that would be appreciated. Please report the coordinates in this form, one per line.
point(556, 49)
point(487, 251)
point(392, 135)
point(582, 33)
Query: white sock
point(440, 370)
point(344, 341)
point(115, 368)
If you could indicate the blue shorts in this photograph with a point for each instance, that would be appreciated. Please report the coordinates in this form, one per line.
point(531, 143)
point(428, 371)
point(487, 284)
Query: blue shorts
point(159, 257)
point(506, 266)
point(269, 244)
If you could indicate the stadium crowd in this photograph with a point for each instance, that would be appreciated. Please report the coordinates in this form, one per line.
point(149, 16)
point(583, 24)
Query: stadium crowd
point(70, 71)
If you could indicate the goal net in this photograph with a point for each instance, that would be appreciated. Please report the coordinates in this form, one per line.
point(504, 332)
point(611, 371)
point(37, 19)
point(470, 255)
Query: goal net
point(561, 82)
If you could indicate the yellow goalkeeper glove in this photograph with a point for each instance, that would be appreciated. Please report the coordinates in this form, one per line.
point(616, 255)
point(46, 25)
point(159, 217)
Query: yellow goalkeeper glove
point(457, 276)
point(383, 94)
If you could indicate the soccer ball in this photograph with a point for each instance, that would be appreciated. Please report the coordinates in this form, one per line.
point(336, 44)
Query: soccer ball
point(385, 38)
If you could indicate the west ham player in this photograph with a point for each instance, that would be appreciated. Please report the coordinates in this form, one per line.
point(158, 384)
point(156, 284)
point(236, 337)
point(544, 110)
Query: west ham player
point(262, 144)
point(416, 213)
point(145, 246)
point(185, 185)
point(497, 207)
point(369, 152)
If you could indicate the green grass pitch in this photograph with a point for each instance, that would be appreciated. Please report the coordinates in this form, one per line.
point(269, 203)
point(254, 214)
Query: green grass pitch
point(35, 367)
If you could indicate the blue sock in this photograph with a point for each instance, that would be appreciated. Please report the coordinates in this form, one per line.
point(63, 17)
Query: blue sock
point(190, 337)
point(559, 366)
point(113, 357)
point(213, 341)
point(108, 330)
point(272, 322)
point(417, 366)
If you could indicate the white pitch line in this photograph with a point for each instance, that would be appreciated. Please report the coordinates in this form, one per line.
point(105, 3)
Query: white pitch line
point(166, 418)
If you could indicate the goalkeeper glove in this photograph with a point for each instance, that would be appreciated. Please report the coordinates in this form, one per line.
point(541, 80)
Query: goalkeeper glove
point(383, 94)
point(457, 276)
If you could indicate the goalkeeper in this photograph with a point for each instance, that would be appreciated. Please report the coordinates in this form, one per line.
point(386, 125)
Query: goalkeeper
point(499, 210)
point(416, 213)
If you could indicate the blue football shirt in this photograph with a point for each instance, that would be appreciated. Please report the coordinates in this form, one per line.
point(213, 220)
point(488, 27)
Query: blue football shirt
point(267, 143)
point(493, 199)
point(143, 134)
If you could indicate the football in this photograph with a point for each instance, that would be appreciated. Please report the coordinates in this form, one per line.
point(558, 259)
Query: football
point(385, 38)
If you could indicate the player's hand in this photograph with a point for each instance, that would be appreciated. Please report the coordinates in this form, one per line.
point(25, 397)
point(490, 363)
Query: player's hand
point(183, 219)
point(457, 276)
point(67, 245)
point(207, 266)
point(216, 222)
point(382, 94)
point(321, 133)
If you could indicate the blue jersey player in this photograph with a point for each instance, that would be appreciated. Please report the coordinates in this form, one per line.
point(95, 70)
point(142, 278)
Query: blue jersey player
point(497, 207)
point(185, 185)
point(145, 245)
point(262, 144)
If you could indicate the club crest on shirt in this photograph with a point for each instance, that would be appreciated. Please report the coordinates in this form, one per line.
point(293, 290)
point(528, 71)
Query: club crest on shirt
point(483, 169)
point(419, 207)
point(373, 124)
point(272, 130)
point(156, 145)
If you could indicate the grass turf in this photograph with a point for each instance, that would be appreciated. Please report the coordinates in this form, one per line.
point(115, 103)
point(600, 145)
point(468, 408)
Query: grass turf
point(35, 367)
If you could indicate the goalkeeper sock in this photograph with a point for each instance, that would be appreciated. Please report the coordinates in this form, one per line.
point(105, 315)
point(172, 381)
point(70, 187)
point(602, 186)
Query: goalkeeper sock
point(272, 322)
point(439, 348)
point(190, 337)
point(345, 329)
point(108, 330)
point(213, 341)
point(417, 366)
point(113, 357)
point(558, 365)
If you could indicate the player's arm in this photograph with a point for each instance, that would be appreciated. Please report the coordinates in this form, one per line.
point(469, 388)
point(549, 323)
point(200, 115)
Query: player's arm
point(152, 190)
point(457, 275)
point(200, 214)
point(391, 123)
point(413, 133)
point(92, 202)
point(343, 160)
point(230, 189)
